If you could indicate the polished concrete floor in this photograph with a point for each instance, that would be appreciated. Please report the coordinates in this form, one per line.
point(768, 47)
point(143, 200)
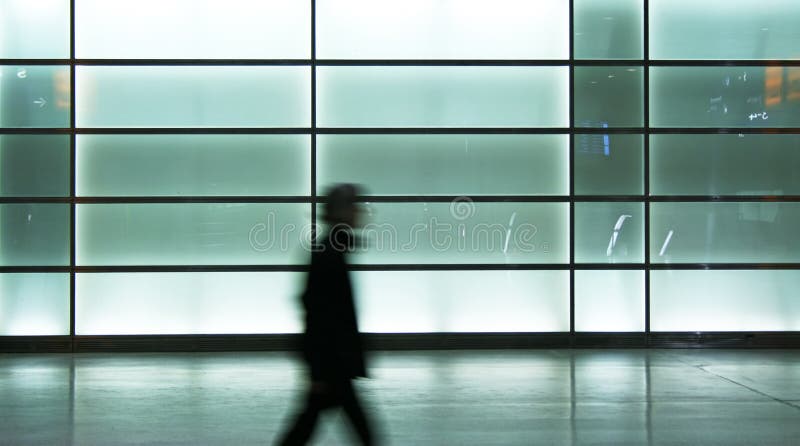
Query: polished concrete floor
point(546, 397)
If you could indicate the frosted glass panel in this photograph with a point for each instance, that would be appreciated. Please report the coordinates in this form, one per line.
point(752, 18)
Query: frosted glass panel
point(193, 29)
point(725, 96)
point(187, 303)
point(719, 300)
point(34, 234)
point(608, 29)
point(724, 164)
point(609, 232)
point(465, 232)
point(724, 29)
point(34, 165)
point(462, 301)
point(609, 301)
point(196, 96)
point(191, 233)
point(34, 29)
point(442, 96)
point(609, 97)
point(34, 96)
point(34, 304)
point(724, 232)
point(193, 165)
point(442, 29)
point(446, 164)
point(609, 164)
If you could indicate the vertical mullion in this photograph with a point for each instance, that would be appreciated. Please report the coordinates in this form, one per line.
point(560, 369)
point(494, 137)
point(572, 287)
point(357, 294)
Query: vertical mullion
point(646, 92)
point(313, 119)
point(572, 171)
point(72, 160)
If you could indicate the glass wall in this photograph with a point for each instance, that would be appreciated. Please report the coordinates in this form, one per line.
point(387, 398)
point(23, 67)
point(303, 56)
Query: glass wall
point(552, 166)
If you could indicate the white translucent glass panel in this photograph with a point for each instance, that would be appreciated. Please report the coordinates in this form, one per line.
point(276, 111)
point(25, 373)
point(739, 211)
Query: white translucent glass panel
point(34, 234)
point(442, 29)
point(192, 29)
point(191, 233)
point(442, 96)
point(34, 304)
point(187, 303)
point(446, 164)
point(610, 232)
point(193, 165)
point(608, 29)
point(609, 301)
point(724, 164)
point(724, 232)
point(34, 96)
point(462, 301)
point(725, 96)
point(34, 29)
point(34, 165)
point(609, 164)
point(193, 96)
point(464, 232)
point(609, 97)
point(724, 300)
point(724, 29)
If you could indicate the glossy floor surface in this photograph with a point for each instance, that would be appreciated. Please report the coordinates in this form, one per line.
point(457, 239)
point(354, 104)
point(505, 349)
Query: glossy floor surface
point(547, 397)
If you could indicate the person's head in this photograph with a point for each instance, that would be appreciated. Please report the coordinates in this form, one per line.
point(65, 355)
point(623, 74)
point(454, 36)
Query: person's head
point(340, 205)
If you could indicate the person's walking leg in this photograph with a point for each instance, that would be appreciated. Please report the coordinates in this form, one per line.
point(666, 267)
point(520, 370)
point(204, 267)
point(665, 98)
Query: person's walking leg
point(352, 407)
point(305, 421)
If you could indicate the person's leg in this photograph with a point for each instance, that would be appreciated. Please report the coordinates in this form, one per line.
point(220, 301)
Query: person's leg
point(352, 407)
point(306, 420)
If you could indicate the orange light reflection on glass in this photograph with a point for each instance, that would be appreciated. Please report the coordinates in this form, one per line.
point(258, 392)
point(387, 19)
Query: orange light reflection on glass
point(773, 86)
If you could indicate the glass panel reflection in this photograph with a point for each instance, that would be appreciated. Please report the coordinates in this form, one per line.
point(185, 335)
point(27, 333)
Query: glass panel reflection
point(34, 165)
point(193, 96)
point(724, 232)
point(725, 300)
point(34, 304)
point(462, 301)
point(34, 234)
point(442, 96)
point(187, 303)
point(34, 96)
point(608, 29)
point(34, 29)
point(609, 164)
point(193, 165)
point(446, 164)
point(725, 96)
point(724, 164)
point(192, 233)
point(609, 97)
point(609, 301)
point(609, 232)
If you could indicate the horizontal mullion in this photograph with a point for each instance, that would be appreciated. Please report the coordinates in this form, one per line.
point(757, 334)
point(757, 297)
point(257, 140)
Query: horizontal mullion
point(196, 199)
point(401, 130)
point(35, 269)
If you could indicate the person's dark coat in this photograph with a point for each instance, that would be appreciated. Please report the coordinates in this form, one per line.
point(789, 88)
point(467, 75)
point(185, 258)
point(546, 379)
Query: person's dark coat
point(331, 345)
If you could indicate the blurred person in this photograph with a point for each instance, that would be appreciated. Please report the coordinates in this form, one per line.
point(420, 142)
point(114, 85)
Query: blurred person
point(331, 345)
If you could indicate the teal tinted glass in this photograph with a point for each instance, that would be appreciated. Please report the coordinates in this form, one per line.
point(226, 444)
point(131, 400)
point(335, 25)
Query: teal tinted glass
point(34, 234)
point(724, 232)
point(34, 29)
point(609, 97)
point(462, 301)
point(442, 96)
point(34, 96)
point(193, 165)
point(34, 304)
point(34, 165)
point(464, 232)
point(193, 29)
point(722, 29)
point(608, 29)
point(196, 96)
point(609, 232)
point(725, 300)
point(609, 301)
point(187, 303)
point(725, 96)
point(442, 29)
point(446, 164)
point(724, 164)
point(609, 164)
point(191, 233)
